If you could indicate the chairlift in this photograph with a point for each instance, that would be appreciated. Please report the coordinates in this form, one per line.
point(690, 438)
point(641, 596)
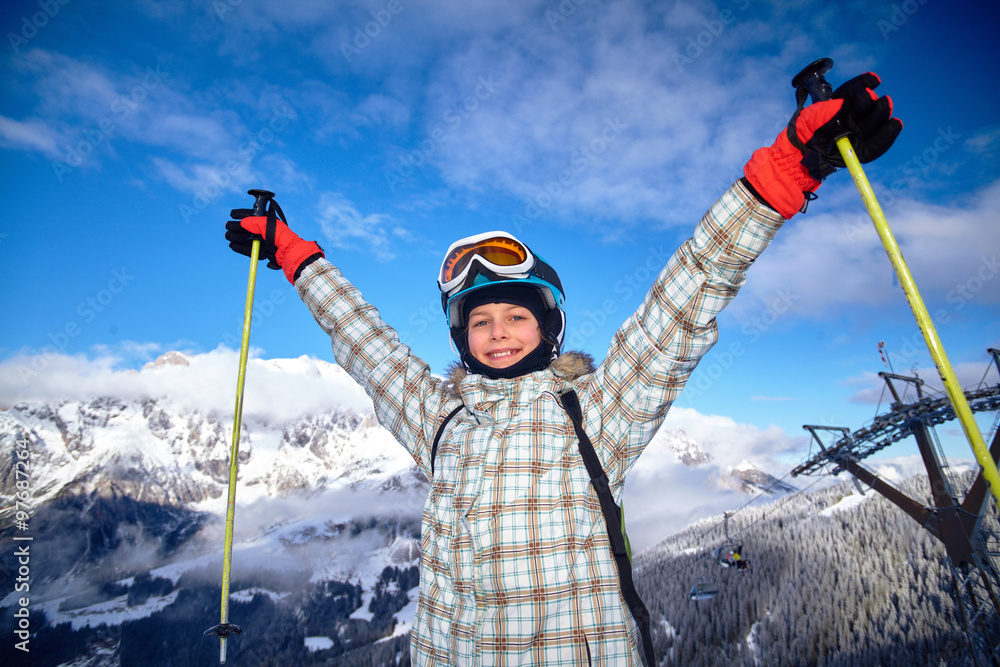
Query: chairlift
point(731, 555)
point(704, 590)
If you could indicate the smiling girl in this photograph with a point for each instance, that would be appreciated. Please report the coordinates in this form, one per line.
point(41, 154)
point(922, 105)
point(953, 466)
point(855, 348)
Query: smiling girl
point(526, 448)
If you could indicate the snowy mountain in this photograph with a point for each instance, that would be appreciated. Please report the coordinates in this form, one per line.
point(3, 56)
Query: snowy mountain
point(685, 449)
point(747, 478)
point(159, 450)
point(128, 499)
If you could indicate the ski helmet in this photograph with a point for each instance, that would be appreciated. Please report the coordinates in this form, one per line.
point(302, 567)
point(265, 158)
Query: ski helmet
point(495, 260)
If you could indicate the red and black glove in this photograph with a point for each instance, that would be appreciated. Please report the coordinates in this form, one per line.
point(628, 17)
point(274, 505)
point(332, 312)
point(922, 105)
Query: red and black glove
point(805, 153)
point(279, 244)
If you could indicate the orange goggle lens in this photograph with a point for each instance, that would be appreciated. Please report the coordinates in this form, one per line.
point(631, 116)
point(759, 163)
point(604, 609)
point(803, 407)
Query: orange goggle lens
point(498, 251)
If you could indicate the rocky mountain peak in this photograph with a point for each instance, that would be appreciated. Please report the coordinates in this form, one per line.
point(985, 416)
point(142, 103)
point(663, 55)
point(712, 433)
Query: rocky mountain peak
point(172, 358)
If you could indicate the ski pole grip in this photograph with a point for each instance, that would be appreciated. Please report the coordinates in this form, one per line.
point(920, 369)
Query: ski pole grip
point(260, 200)
point(810, 82)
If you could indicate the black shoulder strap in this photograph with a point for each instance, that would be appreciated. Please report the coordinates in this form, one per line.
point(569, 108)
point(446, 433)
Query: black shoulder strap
point(437, 436)
point(612, 518)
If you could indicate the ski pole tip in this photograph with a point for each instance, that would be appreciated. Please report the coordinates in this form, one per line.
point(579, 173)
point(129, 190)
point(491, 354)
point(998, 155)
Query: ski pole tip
point(223, 631)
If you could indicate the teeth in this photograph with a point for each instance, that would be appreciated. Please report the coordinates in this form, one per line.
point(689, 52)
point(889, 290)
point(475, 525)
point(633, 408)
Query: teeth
point(501, 354)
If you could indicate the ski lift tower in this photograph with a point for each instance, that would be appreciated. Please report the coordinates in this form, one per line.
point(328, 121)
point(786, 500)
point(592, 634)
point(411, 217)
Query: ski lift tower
point(971, 549)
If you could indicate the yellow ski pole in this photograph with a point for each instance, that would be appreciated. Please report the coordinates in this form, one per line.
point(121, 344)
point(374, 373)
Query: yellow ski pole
point(225, 629)
point(812, 81)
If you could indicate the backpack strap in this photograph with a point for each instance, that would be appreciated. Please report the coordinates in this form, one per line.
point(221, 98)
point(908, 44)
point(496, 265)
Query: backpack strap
point(612, 519)
point(437, 436)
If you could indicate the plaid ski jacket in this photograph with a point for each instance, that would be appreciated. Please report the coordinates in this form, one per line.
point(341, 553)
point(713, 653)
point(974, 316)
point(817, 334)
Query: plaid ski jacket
point(516, 567)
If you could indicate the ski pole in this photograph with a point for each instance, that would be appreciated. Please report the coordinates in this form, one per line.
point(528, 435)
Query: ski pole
point(224, 629)
point(811, 81)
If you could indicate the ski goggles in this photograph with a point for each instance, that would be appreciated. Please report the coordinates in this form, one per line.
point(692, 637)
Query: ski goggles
point(499, 252)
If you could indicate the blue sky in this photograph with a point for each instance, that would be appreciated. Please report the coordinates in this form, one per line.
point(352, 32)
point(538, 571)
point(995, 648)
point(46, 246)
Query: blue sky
point(390, 128)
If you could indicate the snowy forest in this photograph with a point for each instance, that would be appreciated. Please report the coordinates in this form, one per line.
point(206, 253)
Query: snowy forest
point(831, 582)
point(858, 586)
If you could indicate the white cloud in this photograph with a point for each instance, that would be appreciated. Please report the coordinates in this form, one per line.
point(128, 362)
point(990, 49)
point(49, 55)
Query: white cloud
point(663, 496)
point(275, 389)
point(730, 442)
point(984, 142)
point(345, 227)
point(650, 142)
point(197, 177)
point(831, 260)
point(68, 87)
point(31, 134)
point(381, 110)
point(666, 499)
point(92, 108)
point(193, 133)
point(873, 389)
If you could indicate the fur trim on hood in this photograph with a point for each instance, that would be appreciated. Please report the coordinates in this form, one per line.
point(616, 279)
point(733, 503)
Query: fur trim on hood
point(570, 366)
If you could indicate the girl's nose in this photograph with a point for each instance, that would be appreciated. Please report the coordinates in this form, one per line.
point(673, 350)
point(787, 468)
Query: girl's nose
point(498, 331)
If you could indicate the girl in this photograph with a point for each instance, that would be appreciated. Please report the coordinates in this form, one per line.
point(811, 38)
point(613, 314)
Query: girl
point(520, 563)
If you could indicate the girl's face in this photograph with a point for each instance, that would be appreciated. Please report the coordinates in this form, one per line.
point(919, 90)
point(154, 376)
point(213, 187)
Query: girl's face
point(501, 334)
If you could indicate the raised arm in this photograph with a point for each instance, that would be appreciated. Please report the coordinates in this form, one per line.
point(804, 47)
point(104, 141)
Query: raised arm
point(407, 398)
point(655, 351)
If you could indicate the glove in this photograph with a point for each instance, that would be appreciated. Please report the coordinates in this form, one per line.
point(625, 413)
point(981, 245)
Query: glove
point(279, 244)
point(805, 153)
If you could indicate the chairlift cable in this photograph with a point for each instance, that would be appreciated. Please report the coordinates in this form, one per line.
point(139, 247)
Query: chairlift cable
point(880, 397)
point(714, 527)
point(704, 588)
point(982, 380)
point(779, 505)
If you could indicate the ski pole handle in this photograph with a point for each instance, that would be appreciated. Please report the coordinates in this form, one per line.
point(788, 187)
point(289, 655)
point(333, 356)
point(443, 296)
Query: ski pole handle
point(261, 199)
point(811, 82)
